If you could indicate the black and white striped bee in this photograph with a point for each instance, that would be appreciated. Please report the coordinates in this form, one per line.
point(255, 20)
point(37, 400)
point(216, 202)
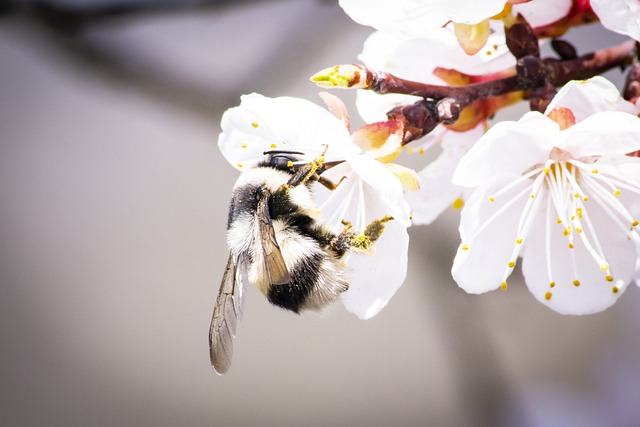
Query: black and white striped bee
point(277, 243)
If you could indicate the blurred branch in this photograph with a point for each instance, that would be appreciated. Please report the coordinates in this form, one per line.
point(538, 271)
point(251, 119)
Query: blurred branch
point(67, 27)
point(71, 19)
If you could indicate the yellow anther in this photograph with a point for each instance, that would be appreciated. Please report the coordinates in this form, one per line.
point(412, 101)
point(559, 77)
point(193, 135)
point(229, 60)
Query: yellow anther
point(558, 221)
point(570, 245)
point(533, 196)
point(239, 165)
point(552, 284)
point(585, 198)
point(421, 150)
point(548, 296)
point(616, 192)
point(578, 229)
point(519, 240)
point(609, 278)
point(594, 171)
point(457, 203)
point(504, 286)
point(634, 223)
point(243, 145)
point(576, 195)
point(492, 199)
point(546, 171)
point(254, 124)
point(464, 247)
point(273, 146)
point(576, 283)
point(511, 264)
point(615, 289)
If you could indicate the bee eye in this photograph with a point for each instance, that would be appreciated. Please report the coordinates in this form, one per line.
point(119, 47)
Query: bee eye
point(281, 161)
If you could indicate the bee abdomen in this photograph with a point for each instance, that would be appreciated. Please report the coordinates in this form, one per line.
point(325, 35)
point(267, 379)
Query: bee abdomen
point(316, 282)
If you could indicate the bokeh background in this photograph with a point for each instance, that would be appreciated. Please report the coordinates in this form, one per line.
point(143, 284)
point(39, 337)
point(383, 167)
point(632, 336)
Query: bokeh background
point(112, 246)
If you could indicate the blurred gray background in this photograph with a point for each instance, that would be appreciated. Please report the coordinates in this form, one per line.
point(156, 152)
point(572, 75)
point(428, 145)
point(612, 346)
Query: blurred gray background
point(112, 246)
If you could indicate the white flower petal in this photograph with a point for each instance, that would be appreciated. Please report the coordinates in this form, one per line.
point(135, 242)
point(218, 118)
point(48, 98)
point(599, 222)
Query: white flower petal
point(373, 107)
point(509, 149)
point(608, 132)
point(437, 192)
point(377, 276)
point(384, 184)
point(593, 293)
point(262, 124)
point(621, 16)
point(543, 12)
point(587, 97)
point(488, 231)
point(415, 16)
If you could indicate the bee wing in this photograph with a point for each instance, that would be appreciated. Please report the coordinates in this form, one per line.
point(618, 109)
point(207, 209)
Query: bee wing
point(273, 261)
point(226, 312)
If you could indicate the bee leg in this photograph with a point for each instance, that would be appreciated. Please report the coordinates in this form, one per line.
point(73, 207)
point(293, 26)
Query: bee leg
point(306, 172)
point(348, 240)
point(328, 183)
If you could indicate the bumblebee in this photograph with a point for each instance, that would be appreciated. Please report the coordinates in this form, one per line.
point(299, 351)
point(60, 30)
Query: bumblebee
point(276, 242)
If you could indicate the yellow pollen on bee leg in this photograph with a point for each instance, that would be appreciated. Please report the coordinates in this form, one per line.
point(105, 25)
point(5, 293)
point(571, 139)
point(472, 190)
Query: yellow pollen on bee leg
point(576, 283)
point(457, 203)
point(289, 164)
point(548, 296)
point(254, 124)
point(609, 278)
point(504, 286)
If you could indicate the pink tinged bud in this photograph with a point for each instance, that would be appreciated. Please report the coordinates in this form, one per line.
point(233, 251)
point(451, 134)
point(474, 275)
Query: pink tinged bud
point(380, 139)
point(349, 76)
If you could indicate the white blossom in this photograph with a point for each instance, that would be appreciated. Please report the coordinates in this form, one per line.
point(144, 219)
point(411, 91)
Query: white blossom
point(415, 18)
point(370, 190)
point(560, 191)
point(620, 16)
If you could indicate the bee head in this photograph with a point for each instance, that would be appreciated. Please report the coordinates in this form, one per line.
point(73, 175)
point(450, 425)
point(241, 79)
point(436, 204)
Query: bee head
point(282, 160)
